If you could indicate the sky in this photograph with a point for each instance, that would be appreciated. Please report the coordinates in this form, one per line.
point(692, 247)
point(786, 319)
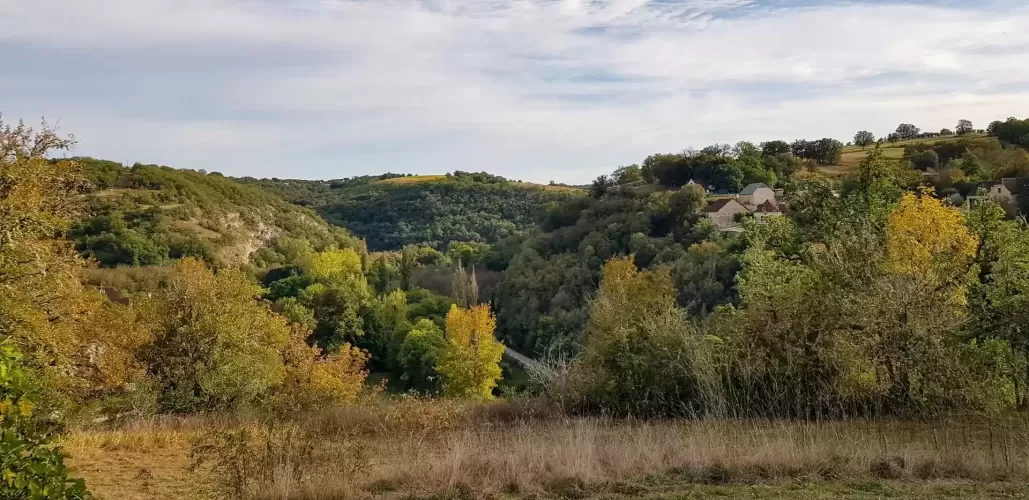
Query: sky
point(536, 90)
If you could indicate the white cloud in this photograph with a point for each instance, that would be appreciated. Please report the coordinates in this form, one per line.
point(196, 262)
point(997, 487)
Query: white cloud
point(532, 89)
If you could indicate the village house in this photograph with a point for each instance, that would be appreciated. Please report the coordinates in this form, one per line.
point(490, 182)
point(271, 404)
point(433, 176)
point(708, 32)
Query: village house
point(1002, 191)
point(722, 213)
point(756, 199)
point(767, 209)
point(755, 194)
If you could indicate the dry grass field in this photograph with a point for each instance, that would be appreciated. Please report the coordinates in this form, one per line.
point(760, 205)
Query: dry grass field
point(852, 155)
point(419, 449)
point(414, 179)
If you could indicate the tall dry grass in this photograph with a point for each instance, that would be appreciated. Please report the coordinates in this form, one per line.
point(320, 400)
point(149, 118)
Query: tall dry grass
point(417, 447)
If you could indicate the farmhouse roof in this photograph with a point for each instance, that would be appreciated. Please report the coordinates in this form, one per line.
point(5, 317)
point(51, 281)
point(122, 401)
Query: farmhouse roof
point(718, 205)
point(767, 208)
point(1017, 185)
point(752, 188)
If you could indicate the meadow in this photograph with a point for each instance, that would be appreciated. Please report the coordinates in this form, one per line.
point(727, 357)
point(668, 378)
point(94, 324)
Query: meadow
point(406, 448)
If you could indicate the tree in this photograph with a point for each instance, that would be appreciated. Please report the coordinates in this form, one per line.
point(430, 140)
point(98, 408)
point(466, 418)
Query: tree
point(994, 128)
point(470, 362)
point(970, 164)
point(642, 355)
point(464, 286)
point(76, 344)
point(335, 289)
point(746, 149)
point(964, 127)
point(864, 139)
point(907, 131)
point(600, 186)
point(689, 199)
point(628, 175)
point(214, 346)
point(825, 151)
point(774, 148)
point(999, 298)
point(929, 241)
point(946, 132)
point(925, 160)
point(420, 352)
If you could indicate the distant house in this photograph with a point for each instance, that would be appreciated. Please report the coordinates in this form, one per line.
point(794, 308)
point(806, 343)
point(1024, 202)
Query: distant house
point(1003, 190)
point(722, 213)
point(767, 209)
point(706, 188)
point(755, 194)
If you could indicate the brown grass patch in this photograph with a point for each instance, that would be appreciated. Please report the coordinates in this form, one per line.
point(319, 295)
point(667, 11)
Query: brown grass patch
point(414, 179)
point(420, 448)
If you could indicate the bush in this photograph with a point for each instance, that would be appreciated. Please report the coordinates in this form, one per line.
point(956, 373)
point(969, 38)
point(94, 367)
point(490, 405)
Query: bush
point(33, 468)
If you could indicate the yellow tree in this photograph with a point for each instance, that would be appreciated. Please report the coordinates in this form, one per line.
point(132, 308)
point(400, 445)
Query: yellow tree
point(930, 243)
point(470, 362)
point(334, 265)
point(337, 295)
point(77, 343)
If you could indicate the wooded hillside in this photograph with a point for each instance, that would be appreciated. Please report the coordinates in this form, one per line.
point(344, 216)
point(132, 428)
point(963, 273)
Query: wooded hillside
point(149, 214)
point(391, 211)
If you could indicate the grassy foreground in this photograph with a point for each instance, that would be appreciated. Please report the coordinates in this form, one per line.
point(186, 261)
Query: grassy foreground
point(417, 449)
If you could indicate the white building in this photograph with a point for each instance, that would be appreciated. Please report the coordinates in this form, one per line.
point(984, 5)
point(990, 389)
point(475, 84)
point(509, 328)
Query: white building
point(755, 194)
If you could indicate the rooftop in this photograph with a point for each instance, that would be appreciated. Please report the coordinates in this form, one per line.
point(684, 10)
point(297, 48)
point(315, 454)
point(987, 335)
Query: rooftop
point(718, 205)
point(751, 188)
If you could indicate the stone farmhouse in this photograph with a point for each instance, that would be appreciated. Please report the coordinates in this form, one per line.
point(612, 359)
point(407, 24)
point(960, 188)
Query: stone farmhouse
point(1004, 190)
point(756, 199)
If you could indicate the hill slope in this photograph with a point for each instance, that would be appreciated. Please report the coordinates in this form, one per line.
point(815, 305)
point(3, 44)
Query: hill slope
point(148, 214)
point(391, 211)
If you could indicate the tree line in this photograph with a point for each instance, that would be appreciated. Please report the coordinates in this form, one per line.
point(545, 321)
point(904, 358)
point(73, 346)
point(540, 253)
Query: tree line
point(879, 301)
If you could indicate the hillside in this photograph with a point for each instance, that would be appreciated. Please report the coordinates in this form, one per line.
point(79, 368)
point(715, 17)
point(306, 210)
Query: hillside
point(149, 214)
point(391, 211)
point(948, 148)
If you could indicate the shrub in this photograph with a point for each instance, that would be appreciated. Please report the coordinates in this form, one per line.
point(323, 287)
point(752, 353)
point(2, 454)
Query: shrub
point(33, 468)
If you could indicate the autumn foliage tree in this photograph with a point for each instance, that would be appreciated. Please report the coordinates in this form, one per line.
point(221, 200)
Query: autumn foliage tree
point(216, 346)
point(643, 355)
point(79, 346)
point(47, 319)
point(470, 361)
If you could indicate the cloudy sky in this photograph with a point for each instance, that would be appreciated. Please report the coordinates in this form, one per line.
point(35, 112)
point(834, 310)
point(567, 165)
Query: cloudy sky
point(537, 90)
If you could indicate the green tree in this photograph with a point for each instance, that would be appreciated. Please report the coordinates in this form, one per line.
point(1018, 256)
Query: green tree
point(925, 160)
point(337, 295)
point(907, 131)
point(688, 200)
point(628, 175)
point(964, 127)
point(864, 139)
point(970, 164)
point(76, 344)
point(215, 346)
point(775, 148)
point(642, 354)
point(419, 354)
